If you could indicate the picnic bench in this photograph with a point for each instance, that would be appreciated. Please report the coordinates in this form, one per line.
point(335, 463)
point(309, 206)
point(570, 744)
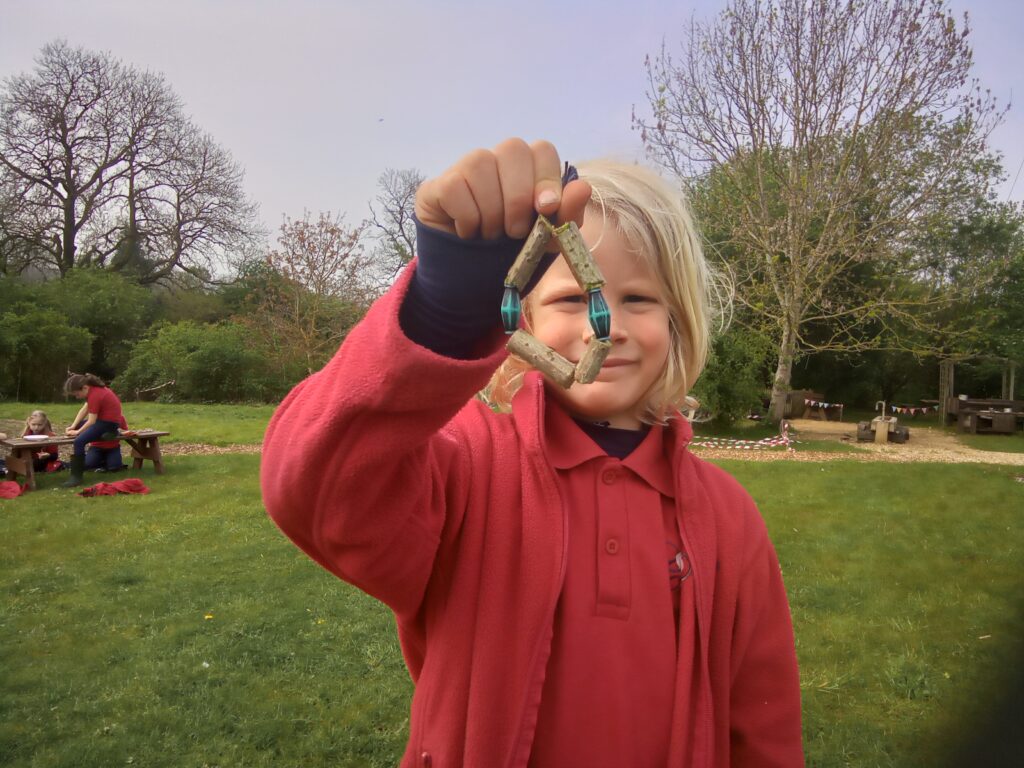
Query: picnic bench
point(145, 444)
point(986, 415)
point(989, 422)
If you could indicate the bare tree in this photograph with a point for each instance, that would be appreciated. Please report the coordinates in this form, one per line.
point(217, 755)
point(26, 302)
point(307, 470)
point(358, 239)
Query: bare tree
point(191, 211)
point(320, 290)
point(110, 172)
point(823, 130)
point(391, 215)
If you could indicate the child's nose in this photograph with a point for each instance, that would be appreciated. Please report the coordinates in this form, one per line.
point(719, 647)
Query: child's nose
point(618, 332)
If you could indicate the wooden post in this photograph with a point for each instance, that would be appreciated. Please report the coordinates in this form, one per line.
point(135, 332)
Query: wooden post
point(943, 393)
point(1013, 376)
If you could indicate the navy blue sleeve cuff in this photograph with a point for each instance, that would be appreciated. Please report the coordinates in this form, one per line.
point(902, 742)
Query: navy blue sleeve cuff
point(454, 298)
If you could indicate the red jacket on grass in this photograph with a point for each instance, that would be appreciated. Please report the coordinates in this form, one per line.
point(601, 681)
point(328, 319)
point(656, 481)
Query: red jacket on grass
point(451, 515)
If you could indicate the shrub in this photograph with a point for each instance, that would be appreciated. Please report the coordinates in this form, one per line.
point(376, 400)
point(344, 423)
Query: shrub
point(213, 362)
point(113, 309)
point(734, 380)
point(38, 347)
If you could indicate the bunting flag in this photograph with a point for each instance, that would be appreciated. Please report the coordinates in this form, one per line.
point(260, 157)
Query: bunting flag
point(781, 439)
point(820, 404)
point(913, 410)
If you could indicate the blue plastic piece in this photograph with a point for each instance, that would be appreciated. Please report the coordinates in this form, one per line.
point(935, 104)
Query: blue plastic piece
point(511, 309)
point(600, 315)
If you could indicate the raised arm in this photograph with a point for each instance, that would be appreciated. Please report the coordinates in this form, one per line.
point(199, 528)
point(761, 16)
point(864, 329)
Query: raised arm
point(357, 468)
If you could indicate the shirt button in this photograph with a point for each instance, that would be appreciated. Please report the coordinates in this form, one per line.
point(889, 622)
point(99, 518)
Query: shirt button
point(611, 546)
point(610, 476)
point(426, 759)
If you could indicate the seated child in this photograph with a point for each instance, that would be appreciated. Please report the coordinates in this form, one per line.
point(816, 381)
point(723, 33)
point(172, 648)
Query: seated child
point(38, 424)
point(105, 455)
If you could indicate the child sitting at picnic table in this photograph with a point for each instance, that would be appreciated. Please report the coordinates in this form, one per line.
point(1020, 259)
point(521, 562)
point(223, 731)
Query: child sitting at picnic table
point(98, 416)
point(105, 455)
point(38, 424)
point(572, 586)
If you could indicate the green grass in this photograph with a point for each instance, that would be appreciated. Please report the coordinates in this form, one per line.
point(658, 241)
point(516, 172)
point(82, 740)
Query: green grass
point(109, 657)
point(1009, 443)
point(187, 423)
point(904, 582)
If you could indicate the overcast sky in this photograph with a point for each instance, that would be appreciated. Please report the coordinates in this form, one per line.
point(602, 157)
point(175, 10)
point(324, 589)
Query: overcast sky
point(315, 98)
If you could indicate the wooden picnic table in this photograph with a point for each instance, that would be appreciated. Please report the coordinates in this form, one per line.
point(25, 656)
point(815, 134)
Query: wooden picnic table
point(145, 445)
point(992, 422)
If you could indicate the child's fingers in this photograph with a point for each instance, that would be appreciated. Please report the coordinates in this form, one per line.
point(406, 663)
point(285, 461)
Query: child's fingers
point(446, 203)
point(488, 193)
point(480, 169)
point(515, 171)
point(575, 198)
point(547, 175)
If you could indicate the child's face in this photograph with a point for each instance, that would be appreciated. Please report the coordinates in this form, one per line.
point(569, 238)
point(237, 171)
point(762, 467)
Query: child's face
point(640, 328)
point(36, 426)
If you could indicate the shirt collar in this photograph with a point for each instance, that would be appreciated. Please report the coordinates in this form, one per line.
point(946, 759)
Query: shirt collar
point(568, 446)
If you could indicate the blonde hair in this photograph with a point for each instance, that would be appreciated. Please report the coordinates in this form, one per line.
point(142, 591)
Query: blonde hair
point(655, 219)
point(47, 427)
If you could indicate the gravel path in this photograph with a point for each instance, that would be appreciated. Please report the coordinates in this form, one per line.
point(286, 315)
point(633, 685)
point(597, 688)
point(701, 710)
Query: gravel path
point(926, 444)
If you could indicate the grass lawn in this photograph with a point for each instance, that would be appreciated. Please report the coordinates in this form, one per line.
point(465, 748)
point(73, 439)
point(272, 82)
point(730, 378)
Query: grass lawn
point(187, 422)
point(1010, 443)
point(181, 629)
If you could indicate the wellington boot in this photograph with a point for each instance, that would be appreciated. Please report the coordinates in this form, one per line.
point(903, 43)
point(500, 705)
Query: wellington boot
point(77, 468)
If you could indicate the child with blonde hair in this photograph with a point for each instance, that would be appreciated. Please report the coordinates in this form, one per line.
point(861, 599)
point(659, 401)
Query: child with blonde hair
point(572, 586)
point(37, 423)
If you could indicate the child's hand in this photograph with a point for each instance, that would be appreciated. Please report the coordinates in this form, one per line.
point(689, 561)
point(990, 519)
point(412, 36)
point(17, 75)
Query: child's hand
point(489, 193)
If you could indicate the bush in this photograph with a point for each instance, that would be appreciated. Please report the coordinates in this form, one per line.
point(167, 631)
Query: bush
point(37, 348)
point(113, 309)
point(734, 380)
point(207, 362)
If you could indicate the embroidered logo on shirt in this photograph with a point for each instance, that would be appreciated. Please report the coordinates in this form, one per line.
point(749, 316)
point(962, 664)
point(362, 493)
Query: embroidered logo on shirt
point(678, 566)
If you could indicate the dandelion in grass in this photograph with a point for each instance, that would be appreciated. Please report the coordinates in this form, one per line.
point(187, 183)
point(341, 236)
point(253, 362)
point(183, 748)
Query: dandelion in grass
point(208, 616)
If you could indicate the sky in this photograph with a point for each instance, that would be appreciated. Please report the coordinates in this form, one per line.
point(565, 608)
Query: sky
point(316, 98)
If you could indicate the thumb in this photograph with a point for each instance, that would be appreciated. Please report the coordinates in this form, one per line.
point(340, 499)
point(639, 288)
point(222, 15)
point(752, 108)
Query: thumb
point(575, 198)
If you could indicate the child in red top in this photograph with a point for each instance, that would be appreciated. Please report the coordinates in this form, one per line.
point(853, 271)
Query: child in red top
point(105, 455)
point(571, 585)
point(100, 414)
point(38, 424)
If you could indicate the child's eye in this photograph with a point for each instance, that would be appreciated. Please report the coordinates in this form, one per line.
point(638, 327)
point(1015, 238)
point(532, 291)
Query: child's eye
point(639, 298)
point(575, 298)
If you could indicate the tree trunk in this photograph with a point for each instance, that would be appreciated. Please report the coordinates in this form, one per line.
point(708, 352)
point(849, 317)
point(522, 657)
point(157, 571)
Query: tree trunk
point(783, 374)
point(945, 389)
point(67, 256)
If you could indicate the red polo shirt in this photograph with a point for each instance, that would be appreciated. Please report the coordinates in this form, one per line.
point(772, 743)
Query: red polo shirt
point(104, 403)
point(615, 660)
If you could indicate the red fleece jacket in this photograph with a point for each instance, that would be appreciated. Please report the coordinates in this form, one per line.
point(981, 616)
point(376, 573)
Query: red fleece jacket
point(450, 514)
